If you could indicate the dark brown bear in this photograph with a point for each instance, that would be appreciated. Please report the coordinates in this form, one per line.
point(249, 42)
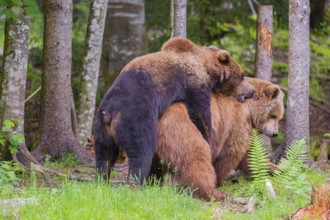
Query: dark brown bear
point(128, 114)
point(197, 165)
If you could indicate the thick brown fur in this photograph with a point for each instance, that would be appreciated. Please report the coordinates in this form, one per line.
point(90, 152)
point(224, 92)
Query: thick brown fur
point(197, 165)
point(128, 113)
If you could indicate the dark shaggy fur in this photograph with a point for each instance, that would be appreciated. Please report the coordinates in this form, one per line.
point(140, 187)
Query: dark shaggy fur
point(128, 114)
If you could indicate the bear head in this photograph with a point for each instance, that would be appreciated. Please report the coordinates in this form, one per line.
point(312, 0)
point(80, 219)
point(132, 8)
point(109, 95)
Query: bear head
point(269, 109)
point(226, 74)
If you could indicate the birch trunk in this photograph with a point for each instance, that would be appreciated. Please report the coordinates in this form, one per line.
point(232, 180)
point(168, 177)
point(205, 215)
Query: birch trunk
point(90, 72)
point(297, 119)
point(13, 79)
point(178, 18)
point(56, 132)
point(264, 54)
point(124, 36)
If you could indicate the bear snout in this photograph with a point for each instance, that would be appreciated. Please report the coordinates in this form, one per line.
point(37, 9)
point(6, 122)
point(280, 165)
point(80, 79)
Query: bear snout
point(275, 135)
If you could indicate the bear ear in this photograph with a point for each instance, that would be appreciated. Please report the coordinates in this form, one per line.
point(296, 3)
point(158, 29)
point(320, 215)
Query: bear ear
point(223, 56)
point(272, 91)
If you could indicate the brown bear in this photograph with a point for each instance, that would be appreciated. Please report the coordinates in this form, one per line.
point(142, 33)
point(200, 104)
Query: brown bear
point(128, 113)
point(197, 165)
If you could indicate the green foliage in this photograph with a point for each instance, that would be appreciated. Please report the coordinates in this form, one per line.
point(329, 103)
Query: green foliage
point(8, 170)
point(13, 8)
point(258, 158)
point(300, 186)
point(327, 135)
point(291, 174)
point(14, 140)
point(293, 165)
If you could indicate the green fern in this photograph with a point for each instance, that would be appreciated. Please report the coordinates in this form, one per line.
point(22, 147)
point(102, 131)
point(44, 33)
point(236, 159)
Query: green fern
point(258, 158)
point(292, 166)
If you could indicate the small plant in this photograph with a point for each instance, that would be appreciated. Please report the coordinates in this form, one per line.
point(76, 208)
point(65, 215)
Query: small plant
point(69, 160)
point(258, 158)
point(292, 166)
point(8, 170)
point(14, 140)
point(291, 173)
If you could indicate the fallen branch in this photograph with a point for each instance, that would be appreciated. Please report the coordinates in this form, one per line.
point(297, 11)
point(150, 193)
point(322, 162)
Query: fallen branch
point(33, 94)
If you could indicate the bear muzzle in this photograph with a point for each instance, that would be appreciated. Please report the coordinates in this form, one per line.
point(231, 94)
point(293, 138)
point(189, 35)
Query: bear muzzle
point(241, 97)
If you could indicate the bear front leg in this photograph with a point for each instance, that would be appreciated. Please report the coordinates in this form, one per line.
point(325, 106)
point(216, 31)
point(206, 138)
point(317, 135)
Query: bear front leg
point(198, 105)
point(223, 166)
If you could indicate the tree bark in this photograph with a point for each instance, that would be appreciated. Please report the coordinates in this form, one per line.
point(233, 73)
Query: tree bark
point(323, 153)
point(264, 43)
point(264, 54)
point(124, 37)
point(297, 119)
point(90, 72)
point(178, 18)
point(13, 79)
point(318, 12)
point(56, 132)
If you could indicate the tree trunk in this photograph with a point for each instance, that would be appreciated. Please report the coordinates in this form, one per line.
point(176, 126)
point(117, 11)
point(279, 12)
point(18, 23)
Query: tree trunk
point(178, 18)
point(124, 37)
point(264, 54)
point(323, 153)
point(90, 73)
point(318, 12)
point(297, 119)
point(264, 43)
point(56, 132)
point(13, 79)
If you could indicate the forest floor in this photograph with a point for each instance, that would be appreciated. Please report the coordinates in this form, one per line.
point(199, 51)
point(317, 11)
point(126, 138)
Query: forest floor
point(234, 205)
point(56, 197)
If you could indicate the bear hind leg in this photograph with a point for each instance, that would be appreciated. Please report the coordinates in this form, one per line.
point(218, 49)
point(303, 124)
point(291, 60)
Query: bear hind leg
point(106, 155)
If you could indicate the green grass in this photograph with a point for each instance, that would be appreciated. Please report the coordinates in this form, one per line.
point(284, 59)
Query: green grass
point(74, 200)
point(96, 200)
point(266, 207)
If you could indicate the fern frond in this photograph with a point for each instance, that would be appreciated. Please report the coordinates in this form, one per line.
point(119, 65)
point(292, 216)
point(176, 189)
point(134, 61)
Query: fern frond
point(292, 166)
point(258, 158)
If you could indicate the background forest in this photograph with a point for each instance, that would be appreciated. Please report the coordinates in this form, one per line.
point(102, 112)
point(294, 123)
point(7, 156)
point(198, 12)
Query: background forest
point(132, 30)
point(228, 24)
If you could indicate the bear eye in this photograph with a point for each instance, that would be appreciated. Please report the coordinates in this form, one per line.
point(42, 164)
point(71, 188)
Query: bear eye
point(273, 116)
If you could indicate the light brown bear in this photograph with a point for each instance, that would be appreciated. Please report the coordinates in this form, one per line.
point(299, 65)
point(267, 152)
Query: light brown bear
point(200, 167)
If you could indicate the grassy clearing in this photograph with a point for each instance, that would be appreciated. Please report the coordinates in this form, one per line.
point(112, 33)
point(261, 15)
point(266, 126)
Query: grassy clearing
point(74, 200)
point(96, 200)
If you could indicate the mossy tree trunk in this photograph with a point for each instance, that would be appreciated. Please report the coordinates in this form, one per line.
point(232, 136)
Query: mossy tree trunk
point(124, 37)
point(297, 120)
point(56, 133)
point(178, 18)
point(90, 72)
point(13, 77)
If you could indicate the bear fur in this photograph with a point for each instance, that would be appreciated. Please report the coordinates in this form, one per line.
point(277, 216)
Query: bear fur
point(197, 165)
point(128, 113)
